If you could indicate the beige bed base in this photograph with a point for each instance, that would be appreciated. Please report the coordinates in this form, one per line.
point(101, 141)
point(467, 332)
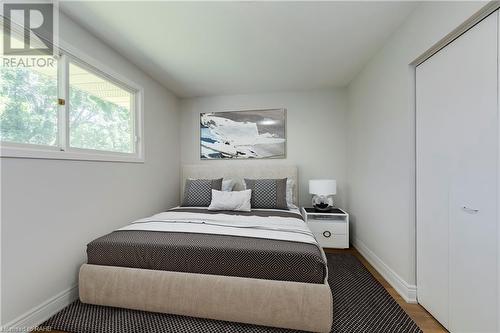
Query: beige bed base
point(294, 305)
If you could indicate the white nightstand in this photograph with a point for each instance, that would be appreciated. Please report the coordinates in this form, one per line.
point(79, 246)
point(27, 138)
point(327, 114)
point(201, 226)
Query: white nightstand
point(331, 229)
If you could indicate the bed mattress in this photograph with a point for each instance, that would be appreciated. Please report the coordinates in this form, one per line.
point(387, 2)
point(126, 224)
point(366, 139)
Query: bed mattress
point(212, 254)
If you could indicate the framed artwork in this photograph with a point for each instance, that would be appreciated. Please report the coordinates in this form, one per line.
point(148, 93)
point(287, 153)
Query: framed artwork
point(243, 134)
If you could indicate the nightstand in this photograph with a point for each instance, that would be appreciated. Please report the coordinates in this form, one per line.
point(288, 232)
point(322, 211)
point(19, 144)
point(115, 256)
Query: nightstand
point(331, 229)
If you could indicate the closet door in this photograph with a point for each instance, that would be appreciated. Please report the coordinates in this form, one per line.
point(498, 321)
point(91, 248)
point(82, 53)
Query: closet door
point(457, 181)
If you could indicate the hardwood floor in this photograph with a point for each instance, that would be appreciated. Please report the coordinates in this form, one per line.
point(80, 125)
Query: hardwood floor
point(423, 319)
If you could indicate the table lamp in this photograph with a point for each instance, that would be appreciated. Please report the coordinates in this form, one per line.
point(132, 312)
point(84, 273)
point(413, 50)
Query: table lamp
point(322, 191)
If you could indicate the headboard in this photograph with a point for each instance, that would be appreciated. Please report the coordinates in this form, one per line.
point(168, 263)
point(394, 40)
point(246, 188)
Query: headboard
point(239, 171)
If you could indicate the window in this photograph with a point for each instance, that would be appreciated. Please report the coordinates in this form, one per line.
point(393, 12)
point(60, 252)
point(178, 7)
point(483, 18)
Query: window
point(66, 108)
point(100, 113)
point(28, 105)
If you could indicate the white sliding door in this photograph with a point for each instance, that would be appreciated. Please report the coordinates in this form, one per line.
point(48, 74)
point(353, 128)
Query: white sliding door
point(457, 181)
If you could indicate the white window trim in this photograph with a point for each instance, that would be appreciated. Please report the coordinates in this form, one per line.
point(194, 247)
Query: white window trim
point(63, 151)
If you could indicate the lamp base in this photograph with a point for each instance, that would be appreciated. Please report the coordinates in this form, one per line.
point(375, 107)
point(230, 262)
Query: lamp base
point(323, 208)
point(322, 203)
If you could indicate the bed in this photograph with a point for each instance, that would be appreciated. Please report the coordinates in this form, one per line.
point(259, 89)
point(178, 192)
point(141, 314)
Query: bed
point(261, 267)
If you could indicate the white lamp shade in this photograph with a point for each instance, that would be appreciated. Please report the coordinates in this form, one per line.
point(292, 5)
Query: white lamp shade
point(323, 186)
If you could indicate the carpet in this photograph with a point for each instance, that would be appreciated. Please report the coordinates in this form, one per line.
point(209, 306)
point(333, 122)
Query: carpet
point(360, 304)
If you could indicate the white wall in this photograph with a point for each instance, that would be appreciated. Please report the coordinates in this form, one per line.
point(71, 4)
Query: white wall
point(52, 208)
point(381, 137)
point(316, 132)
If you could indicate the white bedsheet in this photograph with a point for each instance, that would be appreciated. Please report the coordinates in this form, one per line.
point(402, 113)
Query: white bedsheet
point(273, 227)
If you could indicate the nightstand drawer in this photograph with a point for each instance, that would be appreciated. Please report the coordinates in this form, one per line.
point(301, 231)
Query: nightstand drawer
point(337, 228)
point(330, 240)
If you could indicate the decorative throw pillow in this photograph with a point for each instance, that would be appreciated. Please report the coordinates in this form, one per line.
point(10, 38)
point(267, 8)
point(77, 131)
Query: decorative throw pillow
point(227, 185)
point(268, 193)
point(198, 192)
point(290, 183)
point(234, 200)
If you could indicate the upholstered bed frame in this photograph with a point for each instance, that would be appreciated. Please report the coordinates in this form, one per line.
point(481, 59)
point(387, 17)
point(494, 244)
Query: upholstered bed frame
point(294, 305)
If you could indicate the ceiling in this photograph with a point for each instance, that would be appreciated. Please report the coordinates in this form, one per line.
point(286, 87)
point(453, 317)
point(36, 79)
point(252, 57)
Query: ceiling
point(215, 48)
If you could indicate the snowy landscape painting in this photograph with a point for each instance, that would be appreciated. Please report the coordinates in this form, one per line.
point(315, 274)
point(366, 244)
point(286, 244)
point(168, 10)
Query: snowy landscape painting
point(243, 134)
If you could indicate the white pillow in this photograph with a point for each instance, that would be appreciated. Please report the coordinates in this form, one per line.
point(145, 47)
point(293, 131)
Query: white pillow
point(289, 193)
point(227, 185)
point(234, 200)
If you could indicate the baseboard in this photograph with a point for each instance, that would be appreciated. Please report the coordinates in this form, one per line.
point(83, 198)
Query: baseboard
point(406, 290)
point(44, 311)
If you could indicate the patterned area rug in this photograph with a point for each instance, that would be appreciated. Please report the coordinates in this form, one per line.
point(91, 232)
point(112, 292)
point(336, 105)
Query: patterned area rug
point(360, 304)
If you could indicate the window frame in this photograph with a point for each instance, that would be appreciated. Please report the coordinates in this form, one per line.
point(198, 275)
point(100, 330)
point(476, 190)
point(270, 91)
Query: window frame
point(63, 151)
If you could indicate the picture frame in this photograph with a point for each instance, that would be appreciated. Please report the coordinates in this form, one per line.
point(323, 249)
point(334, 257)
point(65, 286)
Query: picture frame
point(245, 134)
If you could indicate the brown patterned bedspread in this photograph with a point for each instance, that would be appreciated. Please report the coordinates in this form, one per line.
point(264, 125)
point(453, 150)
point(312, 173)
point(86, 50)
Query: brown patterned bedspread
point(211, 254)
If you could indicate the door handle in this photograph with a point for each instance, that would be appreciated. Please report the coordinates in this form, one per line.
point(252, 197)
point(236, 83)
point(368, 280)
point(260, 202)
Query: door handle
point(470, 210)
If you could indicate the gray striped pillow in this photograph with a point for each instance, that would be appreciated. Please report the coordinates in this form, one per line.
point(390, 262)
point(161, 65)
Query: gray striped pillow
point(198, 192)
point(268, 193)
